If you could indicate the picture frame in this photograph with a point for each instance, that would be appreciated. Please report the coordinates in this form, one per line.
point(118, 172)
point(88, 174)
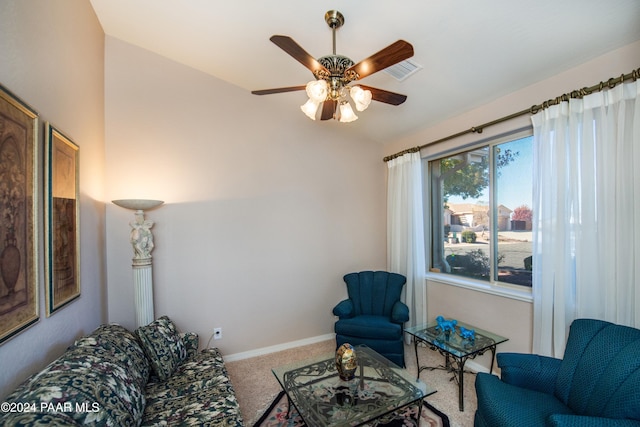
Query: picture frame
point(62, 213)
point(18, 210)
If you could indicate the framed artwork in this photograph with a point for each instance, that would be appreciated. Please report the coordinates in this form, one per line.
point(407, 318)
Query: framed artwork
point(18, 233)
point(62, 231)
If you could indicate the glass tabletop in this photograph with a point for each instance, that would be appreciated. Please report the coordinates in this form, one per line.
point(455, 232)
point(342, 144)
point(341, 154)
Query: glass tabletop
point(453, 343)
point(323, 399)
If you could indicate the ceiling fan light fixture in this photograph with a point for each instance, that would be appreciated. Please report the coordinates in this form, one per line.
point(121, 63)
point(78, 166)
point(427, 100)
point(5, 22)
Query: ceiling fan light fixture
point(317, 90)
point(361, 97)
point(334, 73)
point(310, 108)
point(346, 113)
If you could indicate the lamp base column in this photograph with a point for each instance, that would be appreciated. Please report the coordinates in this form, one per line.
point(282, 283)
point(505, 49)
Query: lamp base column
point(143, 287)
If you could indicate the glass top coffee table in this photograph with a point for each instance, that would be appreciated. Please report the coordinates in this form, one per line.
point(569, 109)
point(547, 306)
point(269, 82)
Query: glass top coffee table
point(455, 349)
point(322, 399)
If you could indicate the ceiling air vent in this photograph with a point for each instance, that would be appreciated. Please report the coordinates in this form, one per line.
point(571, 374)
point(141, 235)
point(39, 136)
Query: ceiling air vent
point(403, 69)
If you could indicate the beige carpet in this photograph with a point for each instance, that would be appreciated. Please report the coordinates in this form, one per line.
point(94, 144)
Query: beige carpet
point(256, 386)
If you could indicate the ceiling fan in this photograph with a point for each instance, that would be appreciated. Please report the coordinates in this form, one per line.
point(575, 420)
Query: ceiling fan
point(334, 73)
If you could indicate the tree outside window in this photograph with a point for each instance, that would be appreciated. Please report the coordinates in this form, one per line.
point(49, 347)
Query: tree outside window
point(480, 215)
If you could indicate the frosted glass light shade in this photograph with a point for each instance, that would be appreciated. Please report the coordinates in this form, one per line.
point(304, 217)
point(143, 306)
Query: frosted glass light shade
point(362, 98)
point(317, 90)
point(310, 108)
point(137, 204)
point(346, 113)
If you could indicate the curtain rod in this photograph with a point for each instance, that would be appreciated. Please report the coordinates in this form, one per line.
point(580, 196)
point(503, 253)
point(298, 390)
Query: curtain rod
point(579, 93)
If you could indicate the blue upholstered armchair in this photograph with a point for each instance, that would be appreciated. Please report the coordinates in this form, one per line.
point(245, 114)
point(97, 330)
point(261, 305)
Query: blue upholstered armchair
point(373, 315)
point(597, 383)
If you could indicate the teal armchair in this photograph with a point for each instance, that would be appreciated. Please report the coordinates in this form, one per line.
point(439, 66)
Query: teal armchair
point(597, 383)
point(373, 315)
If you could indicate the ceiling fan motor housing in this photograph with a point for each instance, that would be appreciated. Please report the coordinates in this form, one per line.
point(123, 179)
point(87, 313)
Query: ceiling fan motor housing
point(337, 78)
point(336, 64)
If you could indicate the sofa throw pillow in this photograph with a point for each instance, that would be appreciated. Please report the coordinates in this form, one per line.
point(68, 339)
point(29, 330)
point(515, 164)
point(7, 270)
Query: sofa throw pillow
point(163, 346)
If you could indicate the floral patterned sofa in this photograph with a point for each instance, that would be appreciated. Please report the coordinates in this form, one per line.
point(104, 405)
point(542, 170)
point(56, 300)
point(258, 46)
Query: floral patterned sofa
point(113, 377)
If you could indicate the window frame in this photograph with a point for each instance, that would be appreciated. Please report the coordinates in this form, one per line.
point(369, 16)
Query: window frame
point(491, 286)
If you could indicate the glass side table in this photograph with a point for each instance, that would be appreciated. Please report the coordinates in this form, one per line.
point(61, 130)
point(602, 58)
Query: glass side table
point(455, 349)
point(379, 389)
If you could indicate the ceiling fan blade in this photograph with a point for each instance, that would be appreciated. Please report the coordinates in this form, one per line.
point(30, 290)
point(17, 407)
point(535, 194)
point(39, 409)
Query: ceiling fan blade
point(328, 110)
point(298, 53)
point(390, 55)
point(278, 90)
point(385, 96)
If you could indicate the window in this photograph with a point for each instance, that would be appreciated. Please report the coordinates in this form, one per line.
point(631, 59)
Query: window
point(481, 215)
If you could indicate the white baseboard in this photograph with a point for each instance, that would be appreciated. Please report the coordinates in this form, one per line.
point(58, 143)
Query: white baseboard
point(278, 347)
point(470, 364)
point(475, 367)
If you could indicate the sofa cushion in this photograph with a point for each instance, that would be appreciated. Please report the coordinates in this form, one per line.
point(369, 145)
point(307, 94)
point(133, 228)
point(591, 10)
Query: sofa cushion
point(374, 292)
point(198, 393)
point(369, 326)
point(600, 373)
point(89, 384)
point(212, 407)
point(200, 372)
point(191, 342)
point(502, 403)
point(531, 371)
point(121, 345)
point(163, 346)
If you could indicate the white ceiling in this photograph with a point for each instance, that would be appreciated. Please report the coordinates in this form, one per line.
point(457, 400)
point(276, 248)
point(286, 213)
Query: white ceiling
point(471, 51)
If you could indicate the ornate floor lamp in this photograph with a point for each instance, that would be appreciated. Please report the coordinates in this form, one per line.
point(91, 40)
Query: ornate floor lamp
point(142, 242)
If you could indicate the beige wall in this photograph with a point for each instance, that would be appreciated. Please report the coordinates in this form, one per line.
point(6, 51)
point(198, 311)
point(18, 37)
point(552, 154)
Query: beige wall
point(511, 318)
point(263, 216)
point(503, 316)
point(52, 58)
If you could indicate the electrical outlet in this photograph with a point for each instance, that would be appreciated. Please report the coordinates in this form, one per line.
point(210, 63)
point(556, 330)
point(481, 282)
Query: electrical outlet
point(217, 333)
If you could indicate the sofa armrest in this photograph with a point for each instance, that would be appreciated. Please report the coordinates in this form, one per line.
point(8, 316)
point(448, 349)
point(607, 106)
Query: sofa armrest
point(191, 343)
point(564, 420)
point(344, 309)
point(399, 312)
point(530, 371)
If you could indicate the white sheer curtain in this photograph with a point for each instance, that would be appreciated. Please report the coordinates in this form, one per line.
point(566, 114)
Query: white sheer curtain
point(405, 231)
point(586, 242)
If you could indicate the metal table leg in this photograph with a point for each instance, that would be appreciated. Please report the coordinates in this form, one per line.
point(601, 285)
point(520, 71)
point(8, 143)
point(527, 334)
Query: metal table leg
point(453, 364)
point(493, 356)
point(457, 353)
point(461, 384)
